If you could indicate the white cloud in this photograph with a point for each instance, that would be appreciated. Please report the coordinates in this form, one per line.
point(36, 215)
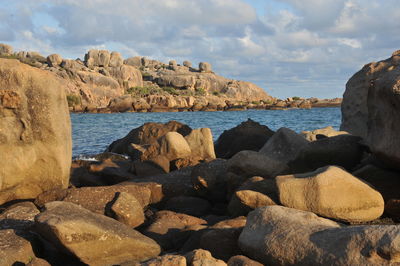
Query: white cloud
point(299, 47)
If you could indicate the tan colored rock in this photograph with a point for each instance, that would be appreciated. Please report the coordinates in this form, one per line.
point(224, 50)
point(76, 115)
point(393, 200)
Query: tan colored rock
point(97, 58)
point(14, 249)
point(311, 240)
point(187, 63)
point(168, 227)
point(116, 60)
point(173, 145)
point(254, 193)
point(200, 257)
point(371, 97)
point(93, 238)
point(54, 60)
point(204, 67)
point(127, 210)
point(5, 49)
point(166, 260)
point(127, 76)
point(201, 143)
point(19, 216)
point(135, 61)
point(331, 192)
point(35, 132)
point(326, 131)
point(147, 134)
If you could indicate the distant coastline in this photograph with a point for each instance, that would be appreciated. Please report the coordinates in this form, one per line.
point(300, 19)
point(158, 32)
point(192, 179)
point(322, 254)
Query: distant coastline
point(103, 82)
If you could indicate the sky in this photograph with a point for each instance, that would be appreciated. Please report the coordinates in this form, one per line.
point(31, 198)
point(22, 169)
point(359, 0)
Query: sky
point(306, 48)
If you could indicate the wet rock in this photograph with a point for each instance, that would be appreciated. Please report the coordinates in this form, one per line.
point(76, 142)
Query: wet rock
point(89, 236)
point(249, 135)
point(331, 192)
point(311, 240)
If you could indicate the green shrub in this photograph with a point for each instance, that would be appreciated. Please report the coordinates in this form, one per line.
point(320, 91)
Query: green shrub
point(255, 102)
point(216, 93)
point(171, 90)
point(9, 56)
point(296, 98)
point(73, 100)
point(200, 92)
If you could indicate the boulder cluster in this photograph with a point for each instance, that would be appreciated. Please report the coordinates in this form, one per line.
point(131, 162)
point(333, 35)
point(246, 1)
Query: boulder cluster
point(104, 82)
point(165, 194)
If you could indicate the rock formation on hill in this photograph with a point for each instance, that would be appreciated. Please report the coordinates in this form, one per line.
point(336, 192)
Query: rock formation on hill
point(105, 82)
point(371, 107)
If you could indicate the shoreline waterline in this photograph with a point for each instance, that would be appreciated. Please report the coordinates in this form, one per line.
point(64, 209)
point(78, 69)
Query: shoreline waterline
point(92, 133)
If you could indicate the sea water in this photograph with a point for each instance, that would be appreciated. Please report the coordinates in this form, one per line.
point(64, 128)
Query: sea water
point(92, 133)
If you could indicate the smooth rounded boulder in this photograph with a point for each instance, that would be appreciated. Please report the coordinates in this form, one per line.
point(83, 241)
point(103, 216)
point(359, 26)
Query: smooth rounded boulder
point(93, 238)
point(331, 192)
point(35, 132)
point(277, 235)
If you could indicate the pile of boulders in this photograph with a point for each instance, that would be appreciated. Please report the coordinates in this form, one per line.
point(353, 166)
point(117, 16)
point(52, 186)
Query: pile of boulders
point(161, 195)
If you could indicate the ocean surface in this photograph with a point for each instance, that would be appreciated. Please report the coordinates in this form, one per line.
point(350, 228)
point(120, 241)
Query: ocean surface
point(92, 133)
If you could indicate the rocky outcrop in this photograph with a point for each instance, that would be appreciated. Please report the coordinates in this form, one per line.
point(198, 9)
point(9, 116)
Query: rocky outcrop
point(371, 107)
point(320, 133)
point(88, 236)
point(331, 192)
point(310, 240)
point(35, 132)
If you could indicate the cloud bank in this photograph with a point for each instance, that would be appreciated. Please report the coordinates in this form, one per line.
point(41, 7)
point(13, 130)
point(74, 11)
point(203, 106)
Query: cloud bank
point(288, 47)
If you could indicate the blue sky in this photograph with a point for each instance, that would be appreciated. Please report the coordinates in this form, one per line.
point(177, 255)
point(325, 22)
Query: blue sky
point(288, 47)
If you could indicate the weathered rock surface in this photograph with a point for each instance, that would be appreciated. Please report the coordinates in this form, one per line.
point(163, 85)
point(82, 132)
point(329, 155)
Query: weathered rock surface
point(200, 257)
point(252, 163)
point(343, 150)
point(284, 145)
point(254, 193)
point(249, 135)
point(370, 107)
point(240, 260)
point(14, 249)
point(5, 49)
point(147, 134)
point(93, 238)
point(322, 133)
point(166, 260)
point(127, 210)
point(311, 240)
point(19, 216)
point(35, 132)
point(167, 228)
point(331, 192)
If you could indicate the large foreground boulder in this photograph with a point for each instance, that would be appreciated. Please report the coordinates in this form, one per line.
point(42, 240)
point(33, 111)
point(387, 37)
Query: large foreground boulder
point(276, 235)
point(93, 238)
point(371, 107)
point(35, 132)
point(331, 192)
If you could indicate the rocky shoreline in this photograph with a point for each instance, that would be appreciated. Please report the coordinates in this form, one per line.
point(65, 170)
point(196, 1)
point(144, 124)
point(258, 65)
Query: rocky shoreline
point(104, 82)
point(166, 194)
